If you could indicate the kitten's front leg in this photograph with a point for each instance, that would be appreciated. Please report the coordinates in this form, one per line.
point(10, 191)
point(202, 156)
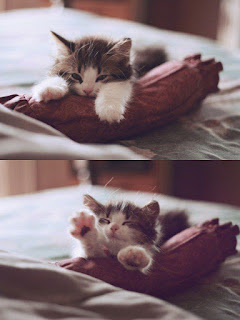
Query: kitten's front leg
point(52, 88)
point(112, 100)
point(135, 258)
point(84, 229)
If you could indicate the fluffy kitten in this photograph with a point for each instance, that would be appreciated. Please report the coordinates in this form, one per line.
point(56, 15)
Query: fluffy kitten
point(97, 67)
point(126, 231)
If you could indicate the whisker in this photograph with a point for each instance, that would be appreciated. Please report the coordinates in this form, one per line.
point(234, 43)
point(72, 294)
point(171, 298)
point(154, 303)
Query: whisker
point(109, 181)
point(153, 189)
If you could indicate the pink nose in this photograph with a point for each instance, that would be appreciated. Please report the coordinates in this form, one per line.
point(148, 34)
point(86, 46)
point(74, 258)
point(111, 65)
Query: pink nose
point(114, 227)
point(88, 91)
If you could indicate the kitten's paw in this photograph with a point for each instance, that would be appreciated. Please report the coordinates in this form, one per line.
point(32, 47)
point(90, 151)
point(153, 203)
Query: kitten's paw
point(82, 222)
point(53, 88)
point(134, 258)
point(110, 113)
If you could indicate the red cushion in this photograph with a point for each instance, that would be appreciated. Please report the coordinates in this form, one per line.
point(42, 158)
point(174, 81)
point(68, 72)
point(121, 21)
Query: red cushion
point(182, 260)
point(161, 96)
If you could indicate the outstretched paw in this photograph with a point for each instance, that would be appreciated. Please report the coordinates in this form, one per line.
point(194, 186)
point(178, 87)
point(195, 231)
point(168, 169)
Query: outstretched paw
point(53, 88)
point(134, 258)
point(82, 222)
point(109, 112)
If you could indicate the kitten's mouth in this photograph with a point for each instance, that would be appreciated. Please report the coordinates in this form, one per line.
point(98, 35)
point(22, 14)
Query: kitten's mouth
point(113, 236)
point(91, 97)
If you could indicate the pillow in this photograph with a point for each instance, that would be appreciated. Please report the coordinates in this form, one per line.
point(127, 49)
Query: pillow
point(161, 96)
point(184, 258)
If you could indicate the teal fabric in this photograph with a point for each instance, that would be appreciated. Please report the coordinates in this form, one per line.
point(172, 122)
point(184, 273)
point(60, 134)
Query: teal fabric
point(25, 41)
point(212, 132)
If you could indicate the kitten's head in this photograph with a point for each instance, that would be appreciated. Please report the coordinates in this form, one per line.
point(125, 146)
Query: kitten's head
point(87, 64)
point(126, 222)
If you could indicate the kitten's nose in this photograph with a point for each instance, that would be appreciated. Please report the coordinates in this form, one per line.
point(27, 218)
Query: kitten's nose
point(88, 91)
point(114, 227)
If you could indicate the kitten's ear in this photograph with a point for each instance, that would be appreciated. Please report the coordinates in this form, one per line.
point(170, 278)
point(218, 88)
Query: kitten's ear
point(152, 210)
point(95, 206)
point(64, 47)
point(124, 46)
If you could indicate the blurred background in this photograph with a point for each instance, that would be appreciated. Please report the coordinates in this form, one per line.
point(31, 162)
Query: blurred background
point(215, 19)
point(214, 181)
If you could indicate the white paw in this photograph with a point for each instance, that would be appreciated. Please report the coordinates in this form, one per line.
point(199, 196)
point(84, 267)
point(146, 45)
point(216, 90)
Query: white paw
point(82, 223)
point(53, 88)
point(110, 113)
point(134, 258)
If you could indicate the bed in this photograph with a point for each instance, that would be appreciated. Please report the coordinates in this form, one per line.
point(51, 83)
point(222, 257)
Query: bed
point(35, 226)
point(210, 132)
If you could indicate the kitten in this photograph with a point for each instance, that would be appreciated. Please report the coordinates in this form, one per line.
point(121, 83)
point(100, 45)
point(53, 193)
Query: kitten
point(97, 67)
point(124, 230)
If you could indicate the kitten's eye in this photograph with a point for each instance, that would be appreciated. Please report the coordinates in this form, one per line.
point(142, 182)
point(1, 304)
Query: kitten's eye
point(62, 73)
point(100, 78)
point(77, 77)
point(102, 220)
point(129, 223)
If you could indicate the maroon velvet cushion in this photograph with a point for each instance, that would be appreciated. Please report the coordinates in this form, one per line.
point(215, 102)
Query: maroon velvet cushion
point(161, 96)
point(184, 258)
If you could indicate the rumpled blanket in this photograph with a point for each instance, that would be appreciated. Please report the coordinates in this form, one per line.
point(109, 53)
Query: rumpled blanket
point(32, 289)
point(23, 137)
point(160, 97)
